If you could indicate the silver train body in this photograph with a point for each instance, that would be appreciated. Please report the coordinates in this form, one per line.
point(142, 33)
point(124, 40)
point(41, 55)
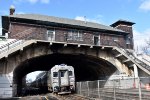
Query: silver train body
point(61, 79)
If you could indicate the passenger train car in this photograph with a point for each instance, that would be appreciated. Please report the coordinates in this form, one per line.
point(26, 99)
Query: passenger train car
point(61, 79)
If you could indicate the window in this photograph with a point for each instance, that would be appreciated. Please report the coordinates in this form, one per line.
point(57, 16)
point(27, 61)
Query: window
point(70, 37)
point(96, 40)
point(127, 40)
point(75, 35)
point(51, 35)
point(70, 73)
point(115, 39)
point(80, 36)
point(55, 74)
point(62, 73)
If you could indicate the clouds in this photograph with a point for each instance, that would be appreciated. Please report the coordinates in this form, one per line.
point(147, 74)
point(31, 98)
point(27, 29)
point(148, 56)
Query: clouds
point(32, 1)
point(80, 18)
point(97, 19)
point(42, 1)
point(145, 5)
point(140, 39)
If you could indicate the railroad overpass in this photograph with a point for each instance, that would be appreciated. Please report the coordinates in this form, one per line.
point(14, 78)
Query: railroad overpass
point(89, 61)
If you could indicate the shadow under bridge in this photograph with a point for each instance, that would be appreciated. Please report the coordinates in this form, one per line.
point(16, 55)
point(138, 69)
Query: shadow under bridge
point(87, 68)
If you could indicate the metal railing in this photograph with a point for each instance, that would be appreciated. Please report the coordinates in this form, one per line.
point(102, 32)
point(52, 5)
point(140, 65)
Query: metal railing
point(145, 59)
point(10, 45)
point(132, 56)
point(16, 42)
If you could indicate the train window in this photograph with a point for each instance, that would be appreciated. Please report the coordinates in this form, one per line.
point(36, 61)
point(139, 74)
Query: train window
point(70, 73)
point(55, 74)
point(62, 73)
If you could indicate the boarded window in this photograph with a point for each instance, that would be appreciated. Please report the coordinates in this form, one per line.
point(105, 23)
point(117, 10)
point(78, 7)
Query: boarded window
point(75, 35)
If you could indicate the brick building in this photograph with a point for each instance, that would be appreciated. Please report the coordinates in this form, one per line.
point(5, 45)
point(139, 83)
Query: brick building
point(41, 27)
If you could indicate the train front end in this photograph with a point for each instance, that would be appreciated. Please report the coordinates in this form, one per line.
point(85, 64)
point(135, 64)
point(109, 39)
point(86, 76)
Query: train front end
point(63, 79)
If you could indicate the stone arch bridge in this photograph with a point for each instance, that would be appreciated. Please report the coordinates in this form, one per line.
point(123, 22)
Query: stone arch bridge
point(90, 62)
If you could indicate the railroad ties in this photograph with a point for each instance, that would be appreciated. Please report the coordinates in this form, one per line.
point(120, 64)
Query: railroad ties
point(51, 96)
point(72, 97)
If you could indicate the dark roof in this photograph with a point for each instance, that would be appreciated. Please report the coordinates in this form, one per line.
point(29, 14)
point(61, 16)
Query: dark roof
point(122, 22)
point(65, 21)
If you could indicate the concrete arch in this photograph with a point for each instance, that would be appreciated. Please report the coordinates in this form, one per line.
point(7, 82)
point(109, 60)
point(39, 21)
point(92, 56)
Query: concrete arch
point(86, 67)
point(97, 61)
point(43, 48)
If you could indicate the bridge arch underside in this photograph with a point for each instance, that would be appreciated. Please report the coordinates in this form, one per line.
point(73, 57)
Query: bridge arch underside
point(87, 68)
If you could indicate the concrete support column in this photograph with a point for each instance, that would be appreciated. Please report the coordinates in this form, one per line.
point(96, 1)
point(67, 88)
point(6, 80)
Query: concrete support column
point(14, 90)
point(136, 76)
point(17, 90)
point(17, 87)
point(24, 81)
point(135, 71)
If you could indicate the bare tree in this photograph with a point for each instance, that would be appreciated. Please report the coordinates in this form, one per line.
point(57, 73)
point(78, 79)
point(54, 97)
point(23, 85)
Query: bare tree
point(146, 48)
point(148, 42)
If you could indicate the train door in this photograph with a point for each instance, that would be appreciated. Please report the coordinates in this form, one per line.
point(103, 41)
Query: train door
point(63, 79)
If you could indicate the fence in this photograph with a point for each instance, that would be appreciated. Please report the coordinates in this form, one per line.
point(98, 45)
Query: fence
point(118, 89)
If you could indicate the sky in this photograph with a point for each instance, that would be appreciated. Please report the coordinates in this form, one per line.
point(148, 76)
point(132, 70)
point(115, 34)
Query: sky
point(100, 11)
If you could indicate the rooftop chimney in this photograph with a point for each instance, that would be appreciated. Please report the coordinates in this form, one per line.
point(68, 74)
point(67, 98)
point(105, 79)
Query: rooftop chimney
point(12, 10)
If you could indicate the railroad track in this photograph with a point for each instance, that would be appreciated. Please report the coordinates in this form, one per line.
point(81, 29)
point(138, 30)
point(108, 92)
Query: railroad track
point(37, 97)
point(51, 96)
point(73, 97)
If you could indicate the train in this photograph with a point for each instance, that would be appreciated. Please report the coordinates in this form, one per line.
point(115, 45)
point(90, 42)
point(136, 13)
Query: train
point(59, 79)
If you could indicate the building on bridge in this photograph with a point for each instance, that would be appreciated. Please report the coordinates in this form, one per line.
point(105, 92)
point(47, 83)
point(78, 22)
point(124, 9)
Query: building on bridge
point(42, 27)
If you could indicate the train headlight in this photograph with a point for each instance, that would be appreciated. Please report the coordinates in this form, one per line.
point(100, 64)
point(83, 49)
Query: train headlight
point(72, 79)
point(72, 87)
point(56, 88)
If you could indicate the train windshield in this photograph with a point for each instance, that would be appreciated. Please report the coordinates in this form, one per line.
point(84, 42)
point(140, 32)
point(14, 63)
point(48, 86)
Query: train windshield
point(55, 74)
point(62, 73)
point(70, 73)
